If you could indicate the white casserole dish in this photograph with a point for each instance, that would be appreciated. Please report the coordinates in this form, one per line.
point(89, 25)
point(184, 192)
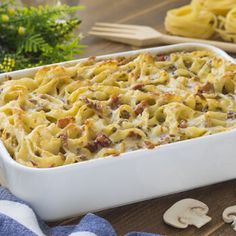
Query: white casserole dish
point(66, 191)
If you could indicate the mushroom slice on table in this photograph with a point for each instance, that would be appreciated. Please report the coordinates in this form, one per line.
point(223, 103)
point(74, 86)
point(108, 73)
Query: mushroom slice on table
point(187, 212)
point(229, 216)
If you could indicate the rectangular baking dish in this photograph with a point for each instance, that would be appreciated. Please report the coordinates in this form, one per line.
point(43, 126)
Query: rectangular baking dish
point(65, 191)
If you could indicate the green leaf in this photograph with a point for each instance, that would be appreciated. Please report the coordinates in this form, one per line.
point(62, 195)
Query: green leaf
point(34, 43)
point(49, 34)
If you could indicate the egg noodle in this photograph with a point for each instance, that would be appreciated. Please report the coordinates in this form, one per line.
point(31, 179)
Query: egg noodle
point(64, 115)
point(227, 26)
point(203, 19)
point(218, 7)
point(188, 22)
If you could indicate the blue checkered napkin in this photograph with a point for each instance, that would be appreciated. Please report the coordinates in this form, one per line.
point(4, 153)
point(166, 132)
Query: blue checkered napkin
point(18, 219)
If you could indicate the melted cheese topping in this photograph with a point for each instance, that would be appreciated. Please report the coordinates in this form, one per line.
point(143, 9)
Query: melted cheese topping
point(103, 108)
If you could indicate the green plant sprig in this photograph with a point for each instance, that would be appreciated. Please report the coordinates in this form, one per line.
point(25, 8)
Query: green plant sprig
point(33, 36)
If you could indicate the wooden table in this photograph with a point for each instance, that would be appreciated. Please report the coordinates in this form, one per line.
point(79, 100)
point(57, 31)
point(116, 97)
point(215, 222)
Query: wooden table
point(147, 216)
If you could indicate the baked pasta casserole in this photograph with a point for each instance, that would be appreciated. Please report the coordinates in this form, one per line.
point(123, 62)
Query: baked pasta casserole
point(64, 115)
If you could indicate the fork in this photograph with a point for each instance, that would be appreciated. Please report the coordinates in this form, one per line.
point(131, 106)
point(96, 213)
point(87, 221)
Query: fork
point(138, 35)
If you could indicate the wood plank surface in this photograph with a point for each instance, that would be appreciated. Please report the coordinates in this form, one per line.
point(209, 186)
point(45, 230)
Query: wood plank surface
point(147, 215)
point(142, 12)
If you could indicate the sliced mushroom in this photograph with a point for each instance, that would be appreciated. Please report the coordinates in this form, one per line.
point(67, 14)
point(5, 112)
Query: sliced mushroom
point(187, 212)
point(229, 216)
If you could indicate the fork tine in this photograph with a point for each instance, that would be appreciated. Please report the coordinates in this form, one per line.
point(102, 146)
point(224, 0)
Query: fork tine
point(113, 30)
point(124, 26)
point(123, 38)
point(110, 34)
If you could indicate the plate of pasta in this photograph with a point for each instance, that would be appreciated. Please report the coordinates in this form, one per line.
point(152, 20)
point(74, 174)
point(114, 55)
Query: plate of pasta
point(159, 120)
point(204, 19)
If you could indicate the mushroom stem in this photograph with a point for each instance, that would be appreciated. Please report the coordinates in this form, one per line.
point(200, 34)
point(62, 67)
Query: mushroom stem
point(229, 216)
point(202, 221)
point(234, 223)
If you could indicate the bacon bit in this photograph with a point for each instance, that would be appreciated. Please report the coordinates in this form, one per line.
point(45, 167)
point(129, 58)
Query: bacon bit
point(150, 145)
point(132, 134)
point(92, 146)
point(103, 140)
point(114, 102)
point(8, 77)
point(93, 105)
point(62, 123)
point(138, 86)
point(140, 107)
point(231, 115)
point(207, 87)
point(183, 124)
point(64, 140)
point(162, 57)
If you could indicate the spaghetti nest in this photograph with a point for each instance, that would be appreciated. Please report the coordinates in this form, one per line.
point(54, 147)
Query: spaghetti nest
point(63, 115)
point(203, 19)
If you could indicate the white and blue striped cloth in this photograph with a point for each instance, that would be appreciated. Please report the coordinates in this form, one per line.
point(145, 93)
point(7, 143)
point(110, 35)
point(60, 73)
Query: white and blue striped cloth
point(18, 219)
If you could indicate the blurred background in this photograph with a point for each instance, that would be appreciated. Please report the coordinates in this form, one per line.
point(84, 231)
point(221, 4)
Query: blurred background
point(49, 2)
